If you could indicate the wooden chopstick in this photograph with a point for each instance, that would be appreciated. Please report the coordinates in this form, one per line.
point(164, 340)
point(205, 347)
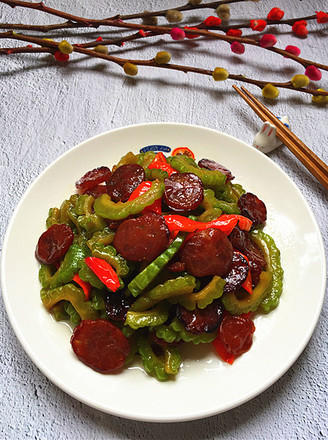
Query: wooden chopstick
point(312, 162)
point(287, 132)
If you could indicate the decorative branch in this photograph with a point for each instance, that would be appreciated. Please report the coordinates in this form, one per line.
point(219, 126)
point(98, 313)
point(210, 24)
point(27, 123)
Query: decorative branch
point(187, 7)
point(141, 15)
point(145, 14)
point(97, 23)
point(204, 29)
point(52, 46)
point(158, 30)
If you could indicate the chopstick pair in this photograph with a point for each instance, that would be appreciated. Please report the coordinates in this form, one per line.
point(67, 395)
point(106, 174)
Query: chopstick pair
point(312, 162)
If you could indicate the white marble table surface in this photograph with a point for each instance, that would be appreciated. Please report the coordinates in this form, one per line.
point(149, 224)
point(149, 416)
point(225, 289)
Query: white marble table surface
point(48, 108)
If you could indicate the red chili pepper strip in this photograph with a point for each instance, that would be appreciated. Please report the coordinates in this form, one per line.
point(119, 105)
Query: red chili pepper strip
point(181, 223)
point(155, 207)
point(222, 351)
point(160, 162)
point(104, 272)
point(142, 189)
point(84, 285)
point(243, 222)
point(247, 284)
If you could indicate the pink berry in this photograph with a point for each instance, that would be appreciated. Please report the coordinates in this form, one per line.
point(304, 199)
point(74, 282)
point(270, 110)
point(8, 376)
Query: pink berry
point(177, 34)
point(268, 40)
point(237, 48)
point(294, 50)
point(313, 73)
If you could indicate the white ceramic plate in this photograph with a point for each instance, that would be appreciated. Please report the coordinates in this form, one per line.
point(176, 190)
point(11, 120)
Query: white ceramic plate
point(205, 386)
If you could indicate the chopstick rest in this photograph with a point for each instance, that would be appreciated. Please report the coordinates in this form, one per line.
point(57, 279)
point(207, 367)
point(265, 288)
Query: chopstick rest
point(266, 139)
point(316, 166)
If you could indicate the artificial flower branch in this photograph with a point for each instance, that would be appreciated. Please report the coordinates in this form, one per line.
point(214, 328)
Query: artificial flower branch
point(45, 28)
point(232, 36)
point(187, 7)
point(40, 6)
point(157, 30)
point(71, 23)
point(115, 22)
point(52, 46)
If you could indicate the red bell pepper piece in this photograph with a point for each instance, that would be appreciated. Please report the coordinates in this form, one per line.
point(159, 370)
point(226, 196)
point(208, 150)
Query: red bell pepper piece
point(181, 223)
point(160, 162)
point(243, 222)
point(142, 189)
point(247, 284)
point(104, 272)
point(222, 351)
point(84, 285)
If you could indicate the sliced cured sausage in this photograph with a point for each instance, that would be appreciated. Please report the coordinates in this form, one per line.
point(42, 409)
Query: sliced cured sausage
point(175, 266)
point(241, 241)
point(96, 191)
point(54, 243)
point(201, 320)
point(255, 272)
point(93, 178)
point(100, 345)
point(253, 208)
point(124, 181)
point(117, 305)
point(142, 238)
point(183, 192)
point(214, 166)
point(237, 274)
point(236, 333)
point(207, 252)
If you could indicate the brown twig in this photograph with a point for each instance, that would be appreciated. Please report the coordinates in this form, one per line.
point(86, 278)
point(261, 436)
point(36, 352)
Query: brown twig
point(71, 25)
point(186, 7)
point(145, 14)
point(52, 46)
point(44, 28)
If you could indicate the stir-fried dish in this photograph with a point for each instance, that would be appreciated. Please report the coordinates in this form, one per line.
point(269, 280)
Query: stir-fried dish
point(154, 253)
